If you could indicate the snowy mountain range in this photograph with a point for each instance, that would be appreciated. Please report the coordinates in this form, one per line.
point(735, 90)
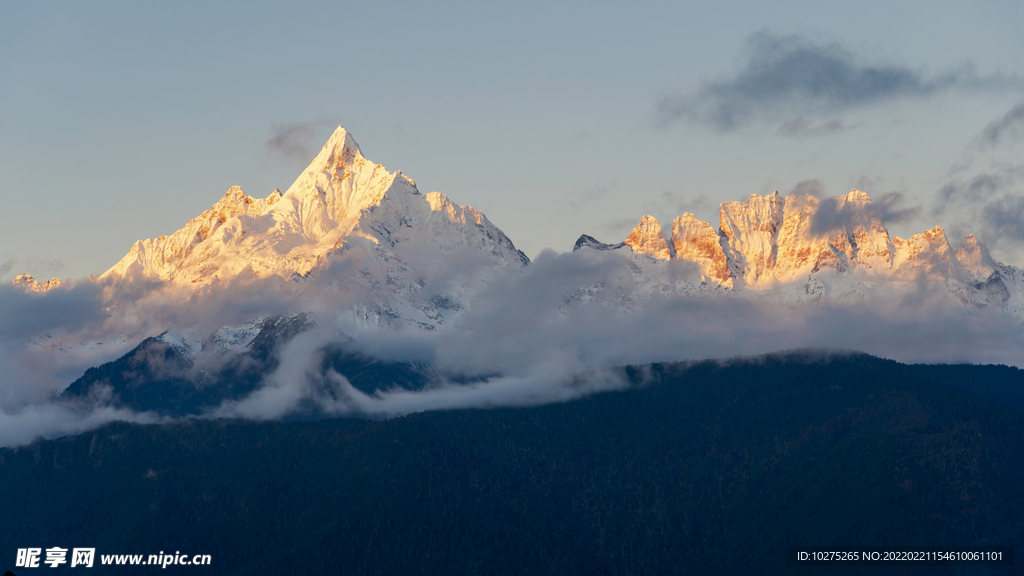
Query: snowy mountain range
point(350, 232)
point(775, 246)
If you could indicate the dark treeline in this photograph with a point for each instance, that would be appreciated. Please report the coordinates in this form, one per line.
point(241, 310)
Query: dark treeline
point(701, 468)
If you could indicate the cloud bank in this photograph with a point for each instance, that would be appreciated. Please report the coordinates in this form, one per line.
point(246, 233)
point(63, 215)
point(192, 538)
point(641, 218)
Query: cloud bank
point(551, 332)
point(534, 340)
point(557, 330)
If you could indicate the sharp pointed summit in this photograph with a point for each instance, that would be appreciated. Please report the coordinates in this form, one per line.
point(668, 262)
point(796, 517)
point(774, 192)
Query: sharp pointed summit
point(339, 152)
point(341, 137)
point(342, 206)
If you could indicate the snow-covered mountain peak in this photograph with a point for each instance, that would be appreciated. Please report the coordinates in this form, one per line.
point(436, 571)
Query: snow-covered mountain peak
point(342, 206)
point(855, 198)
point(751, 229)
point(648, 238)
point(327, 200)
point(974, 256)
point(30, 284)
point(928, 253)
point(165, 257)
point(587, 241)
point(804, 246)
point(339, 152)
point(696, 241)
point(236, 202)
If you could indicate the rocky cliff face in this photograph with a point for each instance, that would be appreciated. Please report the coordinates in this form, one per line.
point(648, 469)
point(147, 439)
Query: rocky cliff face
point(648, 238)
point(751, 230)
point(696, 241)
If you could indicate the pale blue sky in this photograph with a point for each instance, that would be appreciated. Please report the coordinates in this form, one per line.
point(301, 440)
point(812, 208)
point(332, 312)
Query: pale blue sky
point(121, 121)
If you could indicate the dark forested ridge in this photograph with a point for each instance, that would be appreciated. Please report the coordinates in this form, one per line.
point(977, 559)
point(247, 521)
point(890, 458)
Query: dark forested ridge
point(701, 468)
point(157, 377)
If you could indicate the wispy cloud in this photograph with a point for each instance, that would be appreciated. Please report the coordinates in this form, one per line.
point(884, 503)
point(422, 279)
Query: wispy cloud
point(803, 128)
point(677, 203)
point(1010, 125)
point(985, 195)
point(619, 226)
point(298, 140)
point(989, 204)
point(888, 207)
point(793, 76)
point(585, 199)
point(832, 215)
point(40, 267)
point(810, 187)
point(1005, 216)
point(668, 205)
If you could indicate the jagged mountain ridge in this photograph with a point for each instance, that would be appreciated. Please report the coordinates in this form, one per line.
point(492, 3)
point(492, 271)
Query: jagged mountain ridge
point(771, 242)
